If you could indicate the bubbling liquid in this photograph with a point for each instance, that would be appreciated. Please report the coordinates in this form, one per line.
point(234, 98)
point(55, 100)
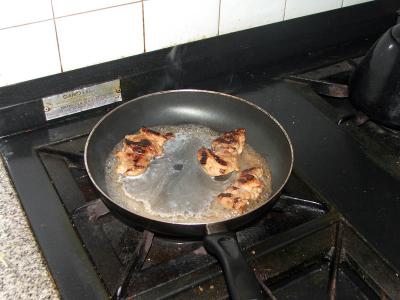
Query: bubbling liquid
point(174, 187)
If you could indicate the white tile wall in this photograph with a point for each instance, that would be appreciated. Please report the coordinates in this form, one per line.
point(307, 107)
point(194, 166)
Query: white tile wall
point(17, 12)
point(99, 36)
point(69, 7)
point(173, 22)
point(28, 52)
point(238, 14)
point(95, 31)
point(299, 8)
point(353, 2)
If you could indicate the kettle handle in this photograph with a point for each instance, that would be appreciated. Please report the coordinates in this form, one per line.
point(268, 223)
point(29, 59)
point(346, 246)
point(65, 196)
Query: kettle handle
point(398, 16)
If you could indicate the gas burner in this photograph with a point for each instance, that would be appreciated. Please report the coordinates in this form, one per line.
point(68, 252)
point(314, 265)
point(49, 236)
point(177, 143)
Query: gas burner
point(380, 143)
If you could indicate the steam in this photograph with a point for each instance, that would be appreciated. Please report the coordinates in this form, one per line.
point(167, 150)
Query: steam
point(173, 76)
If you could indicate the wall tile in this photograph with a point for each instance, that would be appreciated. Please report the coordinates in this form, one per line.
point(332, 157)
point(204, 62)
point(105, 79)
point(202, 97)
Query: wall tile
point(174, 22)
point(100, 36)
point(18, 12)
point(352, 2)
point(299, 8)
point(238, 14)
point(95, 31)
point(28, 52)
point(69, 7)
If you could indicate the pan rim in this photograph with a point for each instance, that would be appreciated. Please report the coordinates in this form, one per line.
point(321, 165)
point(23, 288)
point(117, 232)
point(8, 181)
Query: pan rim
point(272, 196)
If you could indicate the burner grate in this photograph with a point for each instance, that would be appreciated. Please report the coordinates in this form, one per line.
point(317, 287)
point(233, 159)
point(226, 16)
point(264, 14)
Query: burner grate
point(292, 244)
point(110, 243)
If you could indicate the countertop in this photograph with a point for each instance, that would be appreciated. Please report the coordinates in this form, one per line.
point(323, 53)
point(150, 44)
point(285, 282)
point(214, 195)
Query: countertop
point(23, 271)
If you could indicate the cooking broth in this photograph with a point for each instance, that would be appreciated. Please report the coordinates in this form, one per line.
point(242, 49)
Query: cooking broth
point(174, 188)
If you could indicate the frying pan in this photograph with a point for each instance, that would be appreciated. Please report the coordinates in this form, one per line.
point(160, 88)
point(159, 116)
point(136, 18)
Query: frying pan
point(220, 112)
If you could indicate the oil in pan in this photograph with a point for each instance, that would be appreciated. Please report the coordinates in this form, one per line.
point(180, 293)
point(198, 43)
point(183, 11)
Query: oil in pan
point(174, 187)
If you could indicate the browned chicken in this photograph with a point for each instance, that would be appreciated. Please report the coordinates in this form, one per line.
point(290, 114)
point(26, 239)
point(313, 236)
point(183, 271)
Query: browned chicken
point(222, 158)
point(231, 141)
point(216, 164)
point(139, 150)
point(247, 187)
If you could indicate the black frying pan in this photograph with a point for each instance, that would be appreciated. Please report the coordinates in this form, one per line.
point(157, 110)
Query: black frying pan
point(220, 112)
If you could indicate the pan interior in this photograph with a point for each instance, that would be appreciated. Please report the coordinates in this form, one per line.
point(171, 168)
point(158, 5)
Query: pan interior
point(174, 187)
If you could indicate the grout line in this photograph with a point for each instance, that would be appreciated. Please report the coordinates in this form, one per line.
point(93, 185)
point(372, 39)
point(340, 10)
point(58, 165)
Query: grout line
point(98, 9)
point(144, 28)
point(29, 23)
point(74, 14)
point(284, 11)
point(219, 16)
point(58, 44)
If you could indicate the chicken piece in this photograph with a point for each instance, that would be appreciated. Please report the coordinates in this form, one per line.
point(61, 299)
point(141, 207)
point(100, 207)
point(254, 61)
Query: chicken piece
point(215, 165)
point(233, 198)
point(222, 158)
point(139, 150)
point(131, 164)
point(250, 181)
point(247, 187)
point(231, 141)
point(149, 139)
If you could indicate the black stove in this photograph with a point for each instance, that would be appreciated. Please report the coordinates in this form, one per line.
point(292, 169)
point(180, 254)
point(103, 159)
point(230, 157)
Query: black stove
point(302, 245)
point(332, 233)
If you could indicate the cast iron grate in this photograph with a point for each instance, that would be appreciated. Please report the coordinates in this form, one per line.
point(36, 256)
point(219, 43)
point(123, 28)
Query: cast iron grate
point(292, 243)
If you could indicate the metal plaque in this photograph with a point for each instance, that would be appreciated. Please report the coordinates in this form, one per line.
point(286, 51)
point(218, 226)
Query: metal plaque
point(79, 100)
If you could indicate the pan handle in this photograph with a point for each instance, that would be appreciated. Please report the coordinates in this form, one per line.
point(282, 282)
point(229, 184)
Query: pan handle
point(241, 280)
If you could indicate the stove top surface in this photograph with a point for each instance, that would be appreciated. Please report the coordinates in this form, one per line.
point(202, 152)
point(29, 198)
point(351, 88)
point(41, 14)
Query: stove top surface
point(111, 244)
point(296, 250)
point(309, 244)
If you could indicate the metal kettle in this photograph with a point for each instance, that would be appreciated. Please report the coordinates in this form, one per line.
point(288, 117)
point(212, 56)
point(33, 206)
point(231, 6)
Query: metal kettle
point(375, 84)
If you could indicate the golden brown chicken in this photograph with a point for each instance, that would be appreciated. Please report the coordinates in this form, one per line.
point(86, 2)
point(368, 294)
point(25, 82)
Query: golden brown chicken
point(216, 164)
point(222, 158)
point(139, 150)
point(247, 187)
point(231, 141)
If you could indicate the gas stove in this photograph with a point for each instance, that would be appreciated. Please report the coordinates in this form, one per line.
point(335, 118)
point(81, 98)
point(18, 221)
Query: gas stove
point(332, 233)
point(302, 248)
